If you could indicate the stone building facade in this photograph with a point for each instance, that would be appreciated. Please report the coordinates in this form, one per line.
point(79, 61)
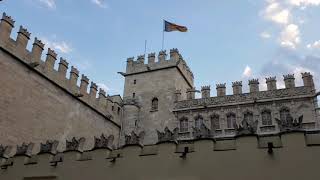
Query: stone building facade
point(51, 127)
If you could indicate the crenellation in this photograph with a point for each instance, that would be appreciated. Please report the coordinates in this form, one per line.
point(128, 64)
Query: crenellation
point(151, 58)
point(254, 85)
point(102, 99)
point(23, 38)
point(191, 93)
point(50, 60)
point(307, 79)
point(162, 56)
point(271, 83)
point(140, 59)
point(221, 89)
point(6, 25)
point(74, 75)
point(205, 91)
point(63, 67)
point(84, 85)
point(36, 52)
point(93, 91)
point(289, 81)
point(174, 54)
point(237, 87)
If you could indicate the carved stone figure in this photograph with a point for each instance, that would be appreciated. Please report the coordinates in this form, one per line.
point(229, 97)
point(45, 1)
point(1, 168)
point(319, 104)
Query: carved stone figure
point(246, 127)
point(290, 124)
point(134, 139)
point(168, 135)
point(103, 142)
point(203, 132)
point(3, 150)
point(49, 147)
point(24, 149)
point(74, 144)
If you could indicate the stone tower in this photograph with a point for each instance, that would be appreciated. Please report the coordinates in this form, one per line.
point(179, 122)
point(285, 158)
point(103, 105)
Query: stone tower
point(150, 92)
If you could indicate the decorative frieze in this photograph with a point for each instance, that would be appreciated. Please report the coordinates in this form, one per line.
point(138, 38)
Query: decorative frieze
point(245, 98)
point(168, 135)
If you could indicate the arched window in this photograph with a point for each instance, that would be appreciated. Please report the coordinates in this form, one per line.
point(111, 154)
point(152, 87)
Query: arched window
point(154, 104)
point(215, 122)
point(266, 118)
point(284, 114)
point(198, 121)
point(231, 119)
point(184, 126)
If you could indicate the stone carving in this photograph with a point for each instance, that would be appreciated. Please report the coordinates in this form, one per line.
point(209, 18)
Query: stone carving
point(134, 139)
point(202, 132)
point(103, 142)
point(3, 150)
point(246, 127)
point(168, 135)
point(49, 147)
point(24, 149)
point(246, 97)
point(290, 124)
point(74, 144)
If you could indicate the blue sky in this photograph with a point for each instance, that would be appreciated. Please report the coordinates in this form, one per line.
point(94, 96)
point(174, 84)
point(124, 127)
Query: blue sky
point(227, 40)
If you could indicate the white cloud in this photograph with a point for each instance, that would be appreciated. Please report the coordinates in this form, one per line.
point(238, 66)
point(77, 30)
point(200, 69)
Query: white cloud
point(247, 72)
point(103, 86)
point(265, 35)
point(290, 36)
point(61, 46)
point(304, 3)
point(276, 13)
point(100, 3)
point(48, 3)
point(314, 45)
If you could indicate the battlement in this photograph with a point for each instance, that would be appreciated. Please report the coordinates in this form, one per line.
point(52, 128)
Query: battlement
point(272, 93)
point(32, 59)
point(263, 148)
point(153, 64)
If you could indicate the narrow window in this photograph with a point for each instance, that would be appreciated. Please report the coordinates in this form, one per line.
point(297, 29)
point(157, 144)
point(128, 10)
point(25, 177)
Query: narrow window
point(198, 122)
point(112, 108)
point(135, 81)
point(184, 125)
point(215, 122)
point(118, 110)
point(154, 104)
point(266, 118)
point(133, 95)
point(231, 119)
point(285, 115)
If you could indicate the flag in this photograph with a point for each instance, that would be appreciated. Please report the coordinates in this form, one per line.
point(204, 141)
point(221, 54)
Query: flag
point(168, 27)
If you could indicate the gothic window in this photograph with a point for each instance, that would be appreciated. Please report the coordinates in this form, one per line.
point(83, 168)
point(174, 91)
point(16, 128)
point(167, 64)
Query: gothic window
point(184, 125)
point(215, 122)
point(198, 121)
point(154, 104)
point(266, 118)
point(231, 119)
point(248, 117)
point(284, 114)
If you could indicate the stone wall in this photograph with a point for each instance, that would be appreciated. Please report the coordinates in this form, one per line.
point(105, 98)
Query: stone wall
point(38, 102)
point(292, 156)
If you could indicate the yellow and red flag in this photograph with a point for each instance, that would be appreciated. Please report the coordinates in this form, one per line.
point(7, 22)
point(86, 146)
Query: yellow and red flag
point(168, 27)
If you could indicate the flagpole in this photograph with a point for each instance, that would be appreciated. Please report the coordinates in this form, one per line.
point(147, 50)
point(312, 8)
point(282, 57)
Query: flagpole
point(145, 46)
point(163, 35)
